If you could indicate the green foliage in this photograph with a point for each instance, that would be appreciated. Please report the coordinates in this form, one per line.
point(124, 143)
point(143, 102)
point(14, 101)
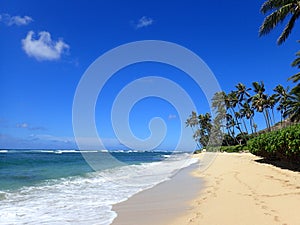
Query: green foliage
point(279, 11)
point(282, 144)
point(236, 148)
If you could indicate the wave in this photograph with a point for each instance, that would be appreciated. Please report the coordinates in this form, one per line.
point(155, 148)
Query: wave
point(85, 199)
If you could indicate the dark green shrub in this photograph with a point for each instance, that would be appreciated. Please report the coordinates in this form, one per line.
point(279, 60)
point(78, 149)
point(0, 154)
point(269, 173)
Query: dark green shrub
point(282, 144)
point(228, 140)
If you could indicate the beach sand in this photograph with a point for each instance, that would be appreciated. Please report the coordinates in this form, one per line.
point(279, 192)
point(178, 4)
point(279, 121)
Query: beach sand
point(240, 191)
point(162, 203)
point(237, 190)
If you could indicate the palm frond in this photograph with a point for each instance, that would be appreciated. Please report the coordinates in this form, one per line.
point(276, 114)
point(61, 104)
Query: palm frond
point(295, 78)
point(274, 19)
point(288, 29)
point(296, 62)
point(274, 4)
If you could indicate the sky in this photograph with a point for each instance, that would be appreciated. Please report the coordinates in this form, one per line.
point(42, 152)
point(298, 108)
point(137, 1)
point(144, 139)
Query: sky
point(47, 47)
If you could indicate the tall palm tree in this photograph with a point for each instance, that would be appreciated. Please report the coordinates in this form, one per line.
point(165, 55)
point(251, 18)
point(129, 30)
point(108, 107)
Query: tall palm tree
point(193, 122)
point(293, 105)
point(282, 95)
point(218, 105)
point(279, 11)
point(232, 97)
point(205, 128)
point(272, 101)
point(248, 112)
point(243, 95)
point(259, 101)
point(296, 63)
point(242, 92)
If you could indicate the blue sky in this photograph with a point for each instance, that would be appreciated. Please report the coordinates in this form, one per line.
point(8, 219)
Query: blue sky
point(46, 48)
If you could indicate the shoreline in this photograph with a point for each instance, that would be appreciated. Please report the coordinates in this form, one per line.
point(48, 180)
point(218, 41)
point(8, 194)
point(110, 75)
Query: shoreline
point(161, 203)
point(239, 190)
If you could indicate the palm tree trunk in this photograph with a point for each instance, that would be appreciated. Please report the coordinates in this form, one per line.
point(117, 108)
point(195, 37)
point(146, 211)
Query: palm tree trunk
point(273, 116)
point(251, 124)
point(267, 119)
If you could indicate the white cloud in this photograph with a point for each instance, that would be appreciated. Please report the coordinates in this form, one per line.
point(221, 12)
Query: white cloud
point(144, 22)
point(172, 116)
point(22, 125)
point(51, 138)
point(15, 20)
point(27, 126)
point(43, 48)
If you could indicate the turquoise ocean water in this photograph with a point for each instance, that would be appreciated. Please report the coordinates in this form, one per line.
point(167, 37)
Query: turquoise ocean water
point(59, 186)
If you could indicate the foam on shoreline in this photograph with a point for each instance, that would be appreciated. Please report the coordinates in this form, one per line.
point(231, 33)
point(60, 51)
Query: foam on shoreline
point(161, 203)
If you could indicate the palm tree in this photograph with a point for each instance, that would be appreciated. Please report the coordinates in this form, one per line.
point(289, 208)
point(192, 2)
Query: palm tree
point(192, 122)
point(248, 112)
point(242, 95)
point(272, 101)
point(232, 97)
point(242, 92)
point(293, 105)
point(204, 121)
point(280, 10)
point(259, 101)
point(219, 108)
point(282, 95)
point(296, 63)
point(203, 127)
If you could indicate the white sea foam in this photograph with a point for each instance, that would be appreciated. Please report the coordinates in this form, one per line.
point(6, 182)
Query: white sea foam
point(3, 151)
point(85, 200)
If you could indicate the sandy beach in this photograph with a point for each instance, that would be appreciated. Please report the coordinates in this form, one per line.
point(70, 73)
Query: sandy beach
point(234, 189)
point(239, 190)
point(161, 204)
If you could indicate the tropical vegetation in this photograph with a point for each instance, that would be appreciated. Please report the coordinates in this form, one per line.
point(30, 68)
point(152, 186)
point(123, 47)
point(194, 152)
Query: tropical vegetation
point(279, 11)
point(235, 113)
point(233, 124)
point(281, 145)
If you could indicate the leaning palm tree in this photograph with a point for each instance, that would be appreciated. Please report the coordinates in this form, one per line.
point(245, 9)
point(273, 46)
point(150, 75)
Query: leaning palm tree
point(296, 63)
point(193, 122)
point(232, 97)
point(293, 105)
point(243, 95)
point(248, 112)
point(280, 10)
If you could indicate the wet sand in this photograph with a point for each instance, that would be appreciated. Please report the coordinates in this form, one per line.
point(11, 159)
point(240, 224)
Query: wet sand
point(162, 203)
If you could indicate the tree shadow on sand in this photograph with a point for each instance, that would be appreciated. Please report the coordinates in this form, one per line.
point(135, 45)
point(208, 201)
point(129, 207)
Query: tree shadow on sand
point(281, 164)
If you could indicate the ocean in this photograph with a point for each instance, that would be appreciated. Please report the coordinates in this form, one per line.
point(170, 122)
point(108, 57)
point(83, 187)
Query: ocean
point(59, 186)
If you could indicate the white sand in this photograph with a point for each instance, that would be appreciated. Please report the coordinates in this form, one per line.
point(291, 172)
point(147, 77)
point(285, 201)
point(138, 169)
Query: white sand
point(241, 191)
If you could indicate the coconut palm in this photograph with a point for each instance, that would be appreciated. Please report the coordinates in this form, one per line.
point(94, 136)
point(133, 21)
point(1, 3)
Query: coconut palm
point(279, 11)
point(272, 101)
point(282, 95)
point(248, 112)
point(232, 97)
point(192, 122)
point(242, 95)
point(293, 105)
point(242, 92)
point(296, 63)
point(260, 101)
point(204, 121)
